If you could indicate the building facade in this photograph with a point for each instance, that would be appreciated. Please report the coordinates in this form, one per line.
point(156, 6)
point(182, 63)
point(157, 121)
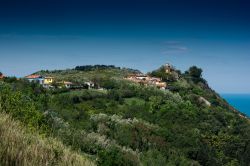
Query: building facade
point(147, 81)
point(44, 81)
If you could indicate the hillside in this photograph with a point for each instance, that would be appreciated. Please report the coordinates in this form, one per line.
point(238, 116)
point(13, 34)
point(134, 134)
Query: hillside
point(21, 147)
point(85, 73)
point(130, 123)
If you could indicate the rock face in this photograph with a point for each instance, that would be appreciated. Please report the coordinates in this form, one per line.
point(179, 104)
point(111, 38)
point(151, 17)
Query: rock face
point(203, 100)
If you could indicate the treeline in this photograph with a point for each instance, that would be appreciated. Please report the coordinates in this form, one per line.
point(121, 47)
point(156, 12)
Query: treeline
point(112, 69)
point(95, 67)
point(104, 67)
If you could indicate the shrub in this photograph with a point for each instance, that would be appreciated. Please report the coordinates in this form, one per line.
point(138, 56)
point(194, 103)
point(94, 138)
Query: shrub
point(20, 147)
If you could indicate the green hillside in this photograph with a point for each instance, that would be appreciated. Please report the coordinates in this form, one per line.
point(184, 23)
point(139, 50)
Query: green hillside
point(21, 147)
point(86, 73)
point(129, 123)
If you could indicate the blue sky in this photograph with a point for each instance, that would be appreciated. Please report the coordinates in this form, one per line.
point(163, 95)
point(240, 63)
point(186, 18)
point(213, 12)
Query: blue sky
point(53, 34)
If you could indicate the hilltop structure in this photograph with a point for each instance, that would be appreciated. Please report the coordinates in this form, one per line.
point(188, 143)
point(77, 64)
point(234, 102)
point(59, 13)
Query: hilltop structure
point(67, 84)
point(44, 81)
point(169, 68)
point(153, 80)
point(147, 80)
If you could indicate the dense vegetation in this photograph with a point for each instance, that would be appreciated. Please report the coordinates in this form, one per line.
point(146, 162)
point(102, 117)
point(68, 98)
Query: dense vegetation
point(21, 147)
point(130, 124)
point(89, 72)
point(95, 67)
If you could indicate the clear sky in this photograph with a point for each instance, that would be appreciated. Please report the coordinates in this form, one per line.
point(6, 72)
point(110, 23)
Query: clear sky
point(141, 34)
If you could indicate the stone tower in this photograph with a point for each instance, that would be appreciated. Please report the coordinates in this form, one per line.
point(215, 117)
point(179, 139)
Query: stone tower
point(168, 68)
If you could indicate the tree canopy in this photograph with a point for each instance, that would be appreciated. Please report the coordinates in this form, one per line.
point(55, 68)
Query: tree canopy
point(195, 72)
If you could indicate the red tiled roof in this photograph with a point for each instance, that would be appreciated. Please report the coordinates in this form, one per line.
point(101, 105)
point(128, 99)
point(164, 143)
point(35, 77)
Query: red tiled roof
point(2, 76)
point(33, 76)
point(69, 83)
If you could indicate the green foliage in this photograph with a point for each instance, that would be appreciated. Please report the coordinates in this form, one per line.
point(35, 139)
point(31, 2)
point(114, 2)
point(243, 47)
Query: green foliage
point(195, 72)
point(130, 124)
point(161, 73)
point(153, 157)
point(21, 147)
point(95, 67)
point(22, 107)
point(113, 156)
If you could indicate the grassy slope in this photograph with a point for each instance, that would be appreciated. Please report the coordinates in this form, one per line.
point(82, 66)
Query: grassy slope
point(79, 76)
point(19, 147)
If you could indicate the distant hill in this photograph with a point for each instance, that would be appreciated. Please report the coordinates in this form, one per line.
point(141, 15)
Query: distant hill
point(89, 72)
point(127, 122)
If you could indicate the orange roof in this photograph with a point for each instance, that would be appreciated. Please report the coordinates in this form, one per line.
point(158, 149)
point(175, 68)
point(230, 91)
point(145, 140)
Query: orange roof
point(33, 76)
point(65, 82)
point(2, 76)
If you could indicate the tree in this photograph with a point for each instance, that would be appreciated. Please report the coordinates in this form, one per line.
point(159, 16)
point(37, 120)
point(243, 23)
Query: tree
point(195, 72)
point(161, 73)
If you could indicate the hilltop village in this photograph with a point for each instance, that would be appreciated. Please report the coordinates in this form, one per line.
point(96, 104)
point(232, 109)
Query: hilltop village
point(140, 78)
point(149, 80)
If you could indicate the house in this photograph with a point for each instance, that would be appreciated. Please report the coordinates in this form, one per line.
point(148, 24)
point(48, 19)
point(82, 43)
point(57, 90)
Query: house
point(48, 80)
point(161, 85)
point(142, 77)
point(147, 81)
point(155, 79)
point(44, 81)
point(35, 78)
point(1, 76)
point(64, 84)
point(89, 84)
point(131, 76)
point(67, 84)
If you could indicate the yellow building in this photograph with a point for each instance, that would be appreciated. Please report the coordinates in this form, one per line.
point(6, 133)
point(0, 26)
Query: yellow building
point(168, 68)
point(48, 80)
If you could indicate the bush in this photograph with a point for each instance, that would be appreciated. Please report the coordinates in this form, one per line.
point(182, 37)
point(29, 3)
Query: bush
point(19, 147)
